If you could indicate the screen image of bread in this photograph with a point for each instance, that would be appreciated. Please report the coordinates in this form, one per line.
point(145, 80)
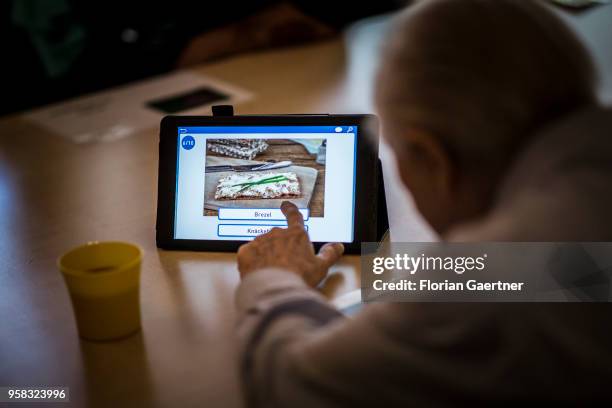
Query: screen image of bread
point(244, 186)
point(239, 148)
point(262, 173)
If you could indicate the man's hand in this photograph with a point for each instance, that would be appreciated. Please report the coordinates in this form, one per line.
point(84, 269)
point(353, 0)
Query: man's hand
point(289, 249)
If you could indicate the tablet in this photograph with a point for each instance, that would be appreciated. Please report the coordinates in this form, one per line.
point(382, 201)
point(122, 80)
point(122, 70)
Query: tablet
point(222, 179)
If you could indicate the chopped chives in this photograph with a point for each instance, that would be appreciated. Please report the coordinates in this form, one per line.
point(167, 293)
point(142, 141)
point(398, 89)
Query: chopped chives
point(268, 180)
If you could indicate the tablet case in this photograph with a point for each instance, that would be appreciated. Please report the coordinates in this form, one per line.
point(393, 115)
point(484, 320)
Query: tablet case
point(382, 216)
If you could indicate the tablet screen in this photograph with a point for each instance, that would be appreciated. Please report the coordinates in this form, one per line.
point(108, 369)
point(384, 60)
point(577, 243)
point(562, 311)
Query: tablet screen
point(231, 181)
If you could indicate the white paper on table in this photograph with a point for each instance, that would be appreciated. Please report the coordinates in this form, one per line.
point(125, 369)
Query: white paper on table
point(117, 113)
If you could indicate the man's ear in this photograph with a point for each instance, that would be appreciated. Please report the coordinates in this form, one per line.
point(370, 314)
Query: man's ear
point(427, 170)
point(430, 163)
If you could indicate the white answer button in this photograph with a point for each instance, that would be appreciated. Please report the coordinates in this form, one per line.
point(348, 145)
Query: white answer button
point(245, 231)
point(266, 214)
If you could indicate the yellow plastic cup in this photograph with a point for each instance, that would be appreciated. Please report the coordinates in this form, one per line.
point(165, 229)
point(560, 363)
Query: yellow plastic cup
point(103, 279)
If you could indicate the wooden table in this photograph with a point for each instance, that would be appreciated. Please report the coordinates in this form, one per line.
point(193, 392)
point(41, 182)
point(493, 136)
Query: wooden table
point(55, 195)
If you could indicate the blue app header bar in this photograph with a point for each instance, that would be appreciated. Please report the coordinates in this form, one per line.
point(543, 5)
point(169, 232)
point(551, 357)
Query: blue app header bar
point(267, 129)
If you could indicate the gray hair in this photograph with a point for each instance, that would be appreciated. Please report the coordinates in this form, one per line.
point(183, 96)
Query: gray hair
point(481, 75)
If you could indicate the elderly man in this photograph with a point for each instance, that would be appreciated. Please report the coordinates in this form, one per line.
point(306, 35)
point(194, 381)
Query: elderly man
point(490, 105)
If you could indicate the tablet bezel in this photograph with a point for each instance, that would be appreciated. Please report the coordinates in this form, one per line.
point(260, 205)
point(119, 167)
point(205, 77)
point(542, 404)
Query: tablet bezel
point(366, 181)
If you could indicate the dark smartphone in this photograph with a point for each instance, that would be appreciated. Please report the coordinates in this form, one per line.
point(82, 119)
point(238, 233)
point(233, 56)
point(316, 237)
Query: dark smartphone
point(187, 100)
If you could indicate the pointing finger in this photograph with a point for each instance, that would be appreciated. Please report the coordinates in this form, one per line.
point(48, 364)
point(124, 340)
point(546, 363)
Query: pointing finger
point(294, 216)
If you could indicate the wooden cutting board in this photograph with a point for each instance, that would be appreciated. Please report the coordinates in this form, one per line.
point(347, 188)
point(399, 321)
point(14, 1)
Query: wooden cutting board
point(307, 177)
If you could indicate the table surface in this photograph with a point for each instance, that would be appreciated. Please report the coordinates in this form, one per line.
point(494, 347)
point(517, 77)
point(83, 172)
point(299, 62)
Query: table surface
point(55, 195)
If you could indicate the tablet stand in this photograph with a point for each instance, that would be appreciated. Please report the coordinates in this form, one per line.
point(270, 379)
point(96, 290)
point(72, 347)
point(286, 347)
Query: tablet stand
point(382, 216)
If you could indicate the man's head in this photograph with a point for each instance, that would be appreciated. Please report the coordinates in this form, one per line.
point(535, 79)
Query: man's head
point(462, 85)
